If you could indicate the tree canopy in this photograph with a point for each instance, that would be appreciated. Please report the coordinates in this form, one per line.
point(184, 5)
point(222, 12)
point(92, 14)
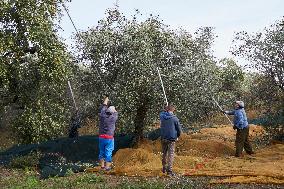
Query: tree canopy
point(33, 67)
point(122, 57)
point(125, 54)
point(265, 50)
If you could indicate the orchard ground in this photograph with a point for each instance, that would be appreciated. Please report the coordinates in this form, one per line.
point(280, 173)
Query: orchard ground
point(204, 159)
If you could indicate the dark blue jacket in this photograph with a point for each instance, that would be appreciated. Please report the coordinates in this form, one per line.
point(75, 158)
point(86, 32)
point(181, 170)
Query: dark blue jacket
point(170, 126)
point(107, 121)
point(240, 118)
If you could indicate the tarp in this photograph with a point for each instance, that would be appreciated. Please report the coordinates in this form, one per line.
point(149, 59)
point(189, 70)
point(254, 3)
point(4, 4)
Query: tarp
point(63, 154)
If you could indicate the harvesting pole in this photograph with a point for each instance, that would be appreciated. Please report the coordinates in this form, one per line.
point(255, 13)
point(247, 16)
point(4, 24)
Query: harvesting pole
point(72, 94)
point(221, 110)
point(162, 84)
point(81, 38)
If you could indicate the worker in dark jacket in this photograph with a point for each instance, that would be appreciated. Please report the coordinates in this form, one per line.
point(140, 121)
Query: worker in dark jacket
point(108, 117)
point(170, 131)
point(75, 124)
point(241, 124)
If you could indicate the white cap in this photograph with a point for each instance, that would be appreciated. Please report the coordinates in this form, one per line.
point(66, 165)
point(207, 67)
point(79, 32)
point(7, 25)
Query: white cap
point(241, 104)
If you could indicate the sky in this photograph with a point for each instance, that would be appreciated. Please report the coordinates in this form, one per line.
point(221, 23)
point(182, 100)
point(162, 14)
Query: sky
point(226, 16)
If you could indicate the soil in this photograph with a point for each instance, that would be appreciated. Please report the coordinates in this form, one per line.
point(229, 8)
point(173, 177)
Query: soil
point(207, 153)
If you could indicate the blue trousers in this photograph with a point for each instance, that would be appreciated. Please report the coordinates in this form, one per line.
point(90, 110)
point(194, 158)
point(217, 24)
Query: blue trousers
point(106, 146)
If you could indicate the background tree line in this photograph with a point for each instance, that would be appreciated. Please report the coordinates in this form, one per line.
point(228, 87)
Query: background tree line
point(120, 57)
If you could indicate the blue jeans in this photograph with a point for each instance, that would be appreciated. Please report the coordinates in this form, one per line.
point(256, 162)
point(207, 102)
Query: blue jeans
point(106, 147)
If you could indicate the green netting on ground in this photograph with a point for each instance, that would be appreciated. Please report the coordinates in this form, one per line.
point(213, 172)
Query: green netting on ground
point(64, 154)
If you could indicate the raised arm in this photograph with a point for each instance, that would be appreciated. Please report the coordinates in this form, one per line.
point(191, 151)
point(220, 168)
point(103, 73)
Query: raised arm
point(231, 112)
point(104, 107)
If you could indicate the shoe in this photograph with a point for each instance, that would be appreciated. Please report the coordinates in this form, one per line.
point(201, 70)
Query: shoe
point(250, 153)
point(102, 163)
point(239, 155)
point(108, 166)
point(171, 173)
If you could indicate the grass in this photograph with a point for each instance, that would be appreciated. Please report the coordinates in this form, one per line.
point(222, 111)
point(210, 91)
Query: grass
point(141, 184)
point(30, 179)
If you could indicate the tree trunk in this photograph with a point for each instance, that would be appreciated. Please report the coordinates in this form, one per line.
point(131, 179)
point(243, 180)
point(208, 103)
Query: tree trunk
point(139, 122)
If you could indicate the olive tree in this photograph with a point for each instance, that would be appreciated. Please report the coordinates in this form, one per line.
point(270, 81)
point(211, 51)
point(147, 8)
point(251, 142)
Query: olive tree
point(33, 67)
point(231, 74)
point(264, 50)
point(124, 56)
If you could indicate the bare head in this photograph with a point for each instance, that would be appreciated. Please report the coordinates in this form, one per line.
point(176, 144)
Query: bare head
point(170, 108)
